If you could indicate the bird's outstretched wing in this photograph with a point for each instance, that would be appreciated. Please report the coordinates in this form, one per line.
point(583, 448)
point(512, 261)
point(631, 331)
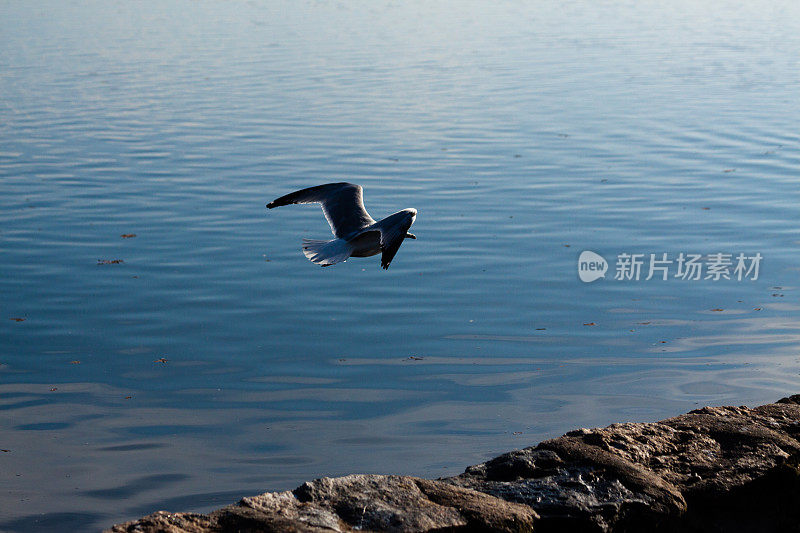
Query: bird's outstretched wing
point(342, 204)
point(392, 236)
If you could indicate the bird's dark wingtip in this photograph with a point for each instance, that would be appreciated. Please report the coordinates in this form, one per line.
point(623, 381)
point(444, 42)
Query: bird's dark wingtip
point(270, 205)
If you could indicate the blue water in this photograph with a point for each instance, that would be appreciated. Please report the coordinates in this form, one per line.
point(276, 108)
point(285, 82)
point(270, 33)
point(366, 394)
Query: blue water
point(524, 133)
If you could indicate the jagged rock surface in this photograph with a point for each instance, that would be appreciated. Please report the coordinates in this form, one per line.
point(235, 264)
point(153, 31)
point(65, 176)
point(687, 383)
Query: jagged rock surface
point(716, 469)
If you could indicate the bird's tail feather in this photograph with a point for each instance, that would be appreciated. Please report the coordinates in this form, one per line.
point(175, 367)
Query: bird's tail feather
point(326, 253)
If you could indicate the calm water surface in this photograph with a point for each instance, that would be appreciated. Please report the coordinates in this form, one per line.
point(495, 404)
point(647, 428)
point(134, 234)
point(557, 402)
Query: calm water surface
point(523, 133)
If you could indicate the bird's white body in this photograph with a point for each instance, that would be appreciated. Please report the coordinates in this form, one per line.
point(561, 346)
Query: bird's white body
point(357, 234)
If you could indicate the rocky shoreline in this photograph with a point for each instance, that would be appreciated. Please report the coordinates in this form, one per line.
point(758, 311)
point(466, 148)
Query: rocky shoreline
point(713, 469)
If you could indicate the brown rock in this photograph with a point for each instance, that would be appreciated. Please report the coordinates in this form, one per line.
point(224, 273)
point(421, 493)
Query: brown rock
point(168, 523)
point(716, 469)
point(380, 503)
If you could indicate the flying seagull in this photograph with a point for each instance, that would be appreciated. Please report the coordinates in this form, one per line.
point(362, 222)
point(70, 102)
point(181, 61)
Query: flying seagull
point(357, 234)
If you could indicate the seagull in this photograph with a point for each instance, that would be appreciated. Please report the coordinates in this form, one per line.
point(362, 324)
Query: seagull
point(357, 234)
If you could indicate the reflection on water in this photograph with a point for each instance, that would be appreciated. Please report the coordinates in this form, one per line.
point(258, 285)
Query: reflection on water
point(204, 358)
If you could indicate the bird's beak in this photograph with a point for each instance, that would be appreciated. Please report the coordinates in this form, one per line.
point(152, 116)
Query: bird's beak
point(410, 236)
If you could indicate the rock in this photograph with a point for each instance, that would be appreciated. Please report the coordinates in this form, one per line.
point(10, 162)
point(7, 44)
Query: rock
point(716, 469)
point(355, 502)
point(692, 472)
